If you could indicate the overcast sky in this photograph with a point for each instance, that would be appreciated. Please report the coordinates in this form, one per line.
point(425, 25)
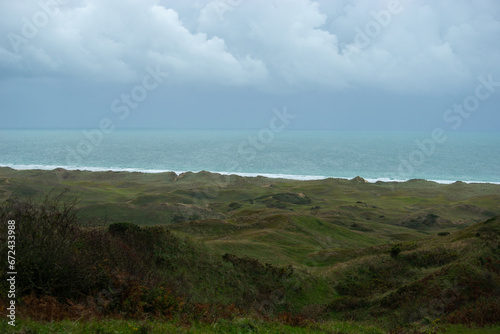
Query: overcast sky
point(353, 65)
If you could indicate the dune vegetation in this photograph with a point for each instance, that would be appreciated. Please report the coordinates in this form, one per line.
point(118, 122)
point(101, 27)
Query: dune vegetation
point(119, 252)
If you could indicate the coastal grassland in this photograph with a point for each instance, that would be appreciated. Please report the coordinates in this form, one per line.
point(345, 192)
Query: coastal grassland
point(239, 325)
point(236, 326)
point(126, 270)
point(278, 238)
point(453, 278)
point(209, 253)
point(230, 212)
point(341, 201)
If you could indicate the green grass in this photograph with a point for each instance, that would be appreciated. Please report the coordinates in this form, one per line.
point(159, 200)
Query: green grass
point(463, 329)
point(337, 236)
point(236, 326)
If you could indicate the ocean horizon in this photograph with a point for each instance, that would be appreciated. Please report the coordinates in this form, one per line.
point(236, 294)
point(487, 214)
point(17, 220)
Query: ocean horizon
point(390, 156)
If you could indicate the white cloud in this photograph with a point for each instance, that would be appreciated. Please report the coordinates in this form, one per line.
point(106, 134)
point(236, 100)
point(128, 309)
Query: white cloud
point(272, 45)
point(115, 41)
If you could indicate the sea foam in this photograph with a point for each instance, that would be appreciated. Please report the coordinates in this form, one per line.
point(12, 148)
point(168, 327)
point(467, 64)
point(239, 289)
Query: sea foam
point(267, 175)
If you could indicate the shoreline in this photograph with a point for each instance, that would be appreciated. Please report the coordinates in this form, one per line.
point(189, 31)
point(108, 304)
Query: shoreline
point(242, 174)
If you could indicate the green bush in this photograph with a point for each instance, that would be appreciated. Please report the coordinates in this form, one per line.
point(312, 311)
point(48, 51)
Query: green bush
point(348, 303)
point(371, 276)
point(122, 228)
point(430, 258)
point(395, 250)
point(52, 256)
point(234, 206)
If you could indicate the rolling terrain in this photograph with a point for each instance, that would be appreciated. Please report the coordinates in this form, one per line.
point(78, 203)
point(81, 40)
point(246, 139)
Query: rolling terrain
point(403, 257)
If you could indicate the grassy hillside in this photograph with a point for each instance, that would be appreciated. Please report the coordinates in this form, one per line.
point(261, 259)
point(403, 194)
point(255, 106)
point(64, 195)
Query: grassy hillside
point(205, 248)
point(453, 278)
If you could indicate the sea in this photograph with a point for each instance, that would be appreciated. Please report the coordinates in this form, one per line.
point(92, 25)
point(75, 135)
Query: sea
point(443, 157)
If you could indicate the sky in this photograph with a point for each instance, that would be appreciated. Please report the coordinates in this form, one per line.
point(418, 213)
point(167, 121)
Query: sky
point(233, 64)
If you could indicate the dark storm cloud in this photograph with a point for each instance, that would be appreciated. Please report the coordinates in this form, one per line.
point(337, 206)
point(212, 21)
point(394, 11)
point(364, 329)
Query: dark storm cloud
point(282, 49)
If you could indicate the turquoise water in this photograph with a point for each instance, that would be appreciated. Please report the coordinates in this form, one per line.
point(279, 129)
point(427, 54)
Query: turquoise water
point(469, 157)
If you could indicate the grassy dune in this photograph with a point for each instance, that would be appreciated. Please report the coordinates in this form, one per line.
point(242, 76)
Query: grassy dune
point(212, 253)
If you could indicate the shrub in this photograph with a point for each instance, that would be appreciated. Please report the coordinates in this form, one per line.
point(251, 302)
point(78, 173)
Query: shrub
point(62, 259)
point(122, 228)
point(161, 302)
point(485, 311)
point(265, 282)
point(395, 250)
point(348, 303)
point(234, 206)
point(54, 259)
point(430, 258)
point(372, 275)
